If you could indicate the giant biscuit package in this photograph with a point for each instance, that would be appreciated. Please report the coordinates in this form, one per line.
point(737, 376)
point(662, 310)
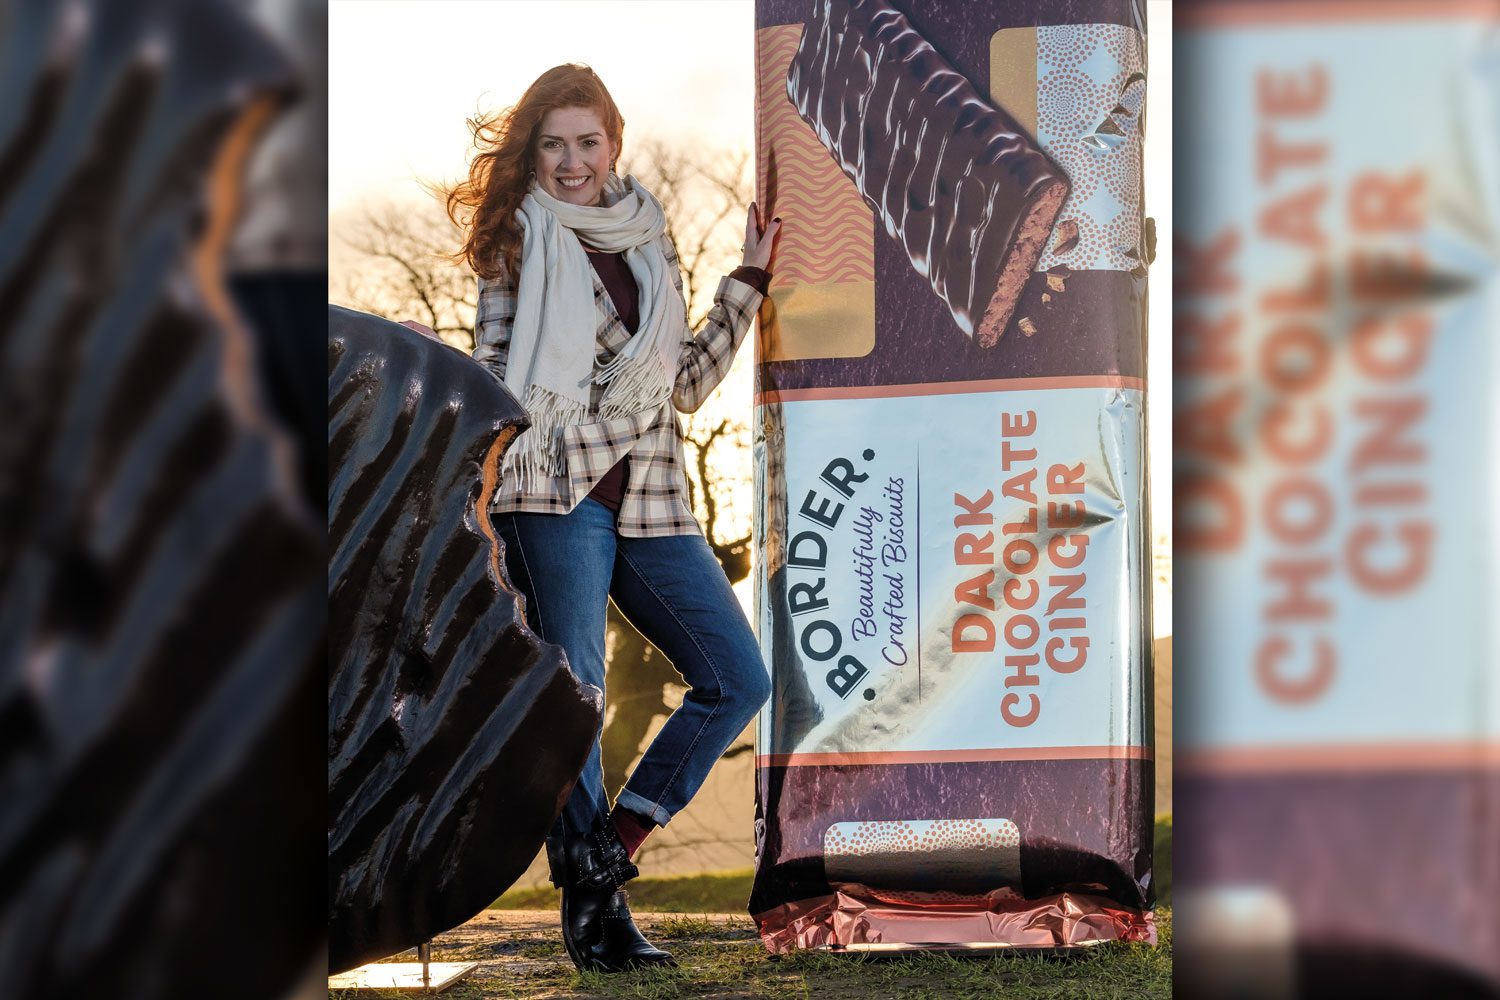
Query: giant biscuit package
point(950, 471)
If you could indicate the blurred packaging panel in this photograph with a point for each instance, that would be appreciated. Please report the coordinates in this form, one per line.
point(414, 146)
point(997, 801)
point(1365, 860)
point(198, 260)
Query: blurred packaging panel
point(1337, 443)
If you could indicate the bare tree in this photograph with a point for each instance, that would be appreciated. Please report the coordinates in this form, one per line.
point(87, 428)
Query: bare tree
point(402, 268)
point(705, 199)
point(406, 270)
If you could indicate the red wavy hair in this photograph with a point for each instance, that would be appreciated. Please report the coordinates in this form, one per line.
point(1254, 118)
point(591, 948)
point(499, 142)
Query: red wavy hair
point(484, 206)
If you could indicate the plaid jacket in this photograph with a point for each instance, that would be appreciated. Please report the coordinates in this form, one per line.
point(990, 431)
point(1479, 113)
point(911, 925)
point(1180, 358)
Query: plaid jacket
point(656, 496)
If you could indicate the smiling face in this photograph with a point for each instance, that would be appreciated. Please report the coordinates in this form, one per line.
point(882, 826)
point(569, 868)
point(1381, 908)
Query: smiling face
point(573, 154)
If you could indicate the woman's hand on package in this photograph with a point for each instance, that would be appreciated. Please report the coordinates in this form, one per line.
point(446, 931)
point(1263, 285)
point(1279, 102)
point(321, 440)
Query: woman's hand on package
point(759, 239)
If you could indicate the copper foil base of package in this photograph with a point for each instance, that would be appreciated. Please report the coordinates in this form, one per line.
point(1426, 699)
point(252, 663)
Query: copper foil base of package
point(1081, 871)
point(856, 918)
point(1082, 822)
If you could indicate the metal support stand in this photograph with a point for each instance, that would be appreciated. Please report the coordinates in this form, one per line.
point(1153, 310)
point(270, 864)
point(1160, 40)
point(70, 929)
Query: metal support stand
point(421, 976)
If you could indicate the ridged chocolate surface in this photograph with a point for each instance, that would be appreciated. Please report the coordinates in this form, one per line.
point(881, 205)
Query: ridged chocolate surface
point(454, 734)
point(161, 598)
point(952, 177)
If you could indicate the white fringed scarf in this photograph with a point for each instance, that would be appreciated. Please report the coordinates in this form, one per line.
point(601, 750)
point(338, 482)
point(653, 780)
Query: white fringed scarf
point(550, 366)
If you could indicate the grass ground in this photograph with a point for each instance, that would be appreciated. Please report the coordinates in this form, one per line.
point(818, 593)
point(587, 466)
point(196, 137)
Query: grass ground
point(701, 920)
point(719, 892)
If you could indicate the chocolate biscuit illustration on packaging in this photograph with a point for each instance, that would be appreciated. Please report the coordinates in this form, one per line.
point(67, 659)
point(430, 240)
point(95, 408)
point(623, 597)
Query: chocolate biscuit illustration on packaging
point(954, 179)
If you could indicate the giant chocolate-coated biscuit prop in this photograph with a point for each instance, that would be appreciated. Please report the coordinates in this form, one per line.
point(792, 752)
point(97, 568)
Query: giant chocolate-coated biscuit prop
point(455, 734)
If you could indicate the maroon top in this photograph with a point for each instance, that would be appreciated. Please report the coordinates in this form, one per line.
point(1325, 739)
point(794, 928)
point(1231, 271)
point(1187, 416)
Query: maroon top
point(615, 275)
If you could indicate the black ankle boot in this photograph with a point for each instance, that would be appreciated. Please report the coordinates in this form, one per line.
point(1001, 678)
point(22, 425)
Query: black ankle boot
point(597, 927)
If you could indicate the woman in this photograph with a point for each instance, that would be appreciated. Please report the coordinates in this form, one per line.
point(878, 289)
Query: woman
point(581, 315)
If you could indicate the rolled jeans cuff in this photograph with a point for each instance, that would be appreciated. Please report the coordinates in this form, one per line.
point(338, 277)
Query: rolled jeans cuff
point(643, 807)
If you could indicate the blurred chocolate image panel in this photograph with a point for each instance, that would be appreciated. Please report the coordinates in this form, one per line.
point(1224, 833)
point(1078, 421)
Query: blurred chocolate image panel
point(1336, 304)
point(161, 572)
point(951, 477)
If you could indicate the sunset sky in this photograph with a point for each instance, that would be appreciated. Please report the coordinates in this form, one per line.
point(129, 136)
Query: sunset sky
point(405, 74)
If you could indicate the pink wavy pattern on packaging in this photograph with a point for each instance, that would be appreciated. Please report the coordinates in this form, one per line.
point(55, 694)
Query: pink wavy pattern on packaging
point(827, 228)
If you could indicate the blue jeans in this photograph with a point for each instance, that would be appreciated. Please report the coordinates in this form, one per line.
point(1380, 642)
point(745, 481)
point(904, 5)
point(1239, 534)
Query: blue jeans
point(675, 593)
